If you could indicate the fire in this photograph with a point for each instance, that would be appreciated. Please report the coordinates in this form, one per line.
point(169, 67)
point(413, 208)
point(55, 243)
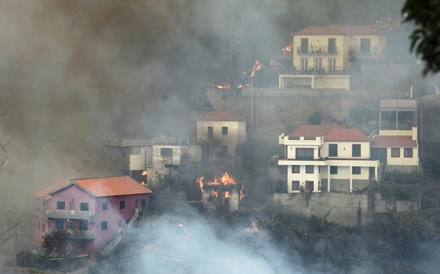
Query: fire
point(227, 179)
point(214, 194)
point(223, 86)
point(288, 48)
point(255, 68)
point(220, 185)
point(254, 227)
point(200, 181)
point(227, 194)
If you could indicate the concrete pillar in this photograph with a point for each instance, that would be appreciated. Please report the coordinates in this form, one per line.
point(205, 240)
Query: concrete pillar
point(328, 178)
point(351, 178)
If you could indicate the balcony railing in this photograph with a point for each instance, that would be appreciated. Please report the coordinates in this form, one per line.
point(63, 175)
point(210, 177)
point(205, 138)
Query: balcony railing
point(323, 71)
point(81, 234)
point(72, 214)
point(317, 50)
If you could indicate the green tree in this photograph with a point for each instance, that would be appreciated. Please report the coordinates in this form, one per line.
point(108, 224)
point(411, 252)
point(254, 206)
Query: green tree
point(424, 38)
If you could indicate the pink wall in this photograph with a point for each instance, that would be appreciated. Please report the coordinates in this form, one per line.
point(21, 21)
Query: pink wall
point(115, 217)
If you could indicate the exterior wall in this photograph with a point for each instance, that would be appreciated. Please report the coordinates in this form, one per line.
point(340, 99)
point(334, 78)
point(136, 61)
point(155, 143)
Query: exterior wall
point(45, 214)
point(332, 82)
point(236, 135)
point(345, 150)
point(350, 209)
point(403, 161)
point(142, 160)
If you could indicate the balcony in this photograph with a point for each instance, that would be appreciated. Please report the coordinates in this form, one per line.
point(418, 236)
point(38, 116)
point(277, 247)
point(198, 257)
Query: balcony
point(72, 214)
point(323, 71)
point(81, 234)
point(317, 50)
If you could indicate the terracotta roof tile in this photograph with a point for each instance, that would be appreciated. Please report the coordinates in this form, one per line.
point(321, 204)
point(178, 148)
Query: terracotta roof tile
point(111, 186)
point(221, 116)
point(339, 30)
point(393, 141)
point(312, 130)
point(98, 187)
point(345, 135)
point(335, 133)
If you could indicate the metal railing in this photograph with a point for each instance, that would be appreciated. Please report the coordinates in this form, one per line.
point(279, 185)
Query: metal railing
point(72, 214)
point(317, 50)
point(323, 70)
point(358, 51)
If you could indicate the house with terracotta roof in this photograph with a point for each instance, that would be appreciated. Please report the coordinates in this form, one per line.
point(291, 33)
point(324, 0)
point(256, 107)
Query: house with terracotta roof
point(323, 158)
point(323, 55)
point(219, 133)
point(396, 145)
point(92, 210)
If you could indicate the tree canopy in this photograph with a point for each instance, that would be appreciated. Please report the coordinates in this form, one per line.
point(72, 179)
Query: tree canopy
point(424, 38)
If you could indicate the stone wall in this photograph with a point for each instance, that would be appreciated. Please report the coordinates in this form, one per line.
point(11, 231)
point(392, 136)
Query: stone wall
point(349, 209)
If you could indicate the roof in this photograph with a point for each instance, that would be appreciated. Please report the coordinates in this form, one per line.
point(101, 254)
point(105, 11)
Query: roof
point(393, 141)
point(221, 116)
point(312, 130)
point(331, 133)
point(99, 187)
point(339, 30)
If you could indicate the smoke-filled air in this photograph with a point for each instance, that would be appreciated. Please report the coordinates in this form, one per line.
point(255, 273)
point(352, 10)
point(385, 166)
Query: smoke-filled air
point(204, 136)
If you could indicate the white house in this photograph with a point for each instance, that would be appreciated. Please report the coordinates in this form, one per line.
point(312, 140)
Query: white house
point(323, 158)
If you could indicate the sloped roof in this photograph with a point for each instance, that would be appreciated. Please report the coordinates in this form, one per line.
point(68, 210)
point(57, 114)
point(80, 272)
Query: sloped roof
point(393, 141)
point(312, 130)
point(339, 30)
point(345, 135)
point(331, 133)
point(221, 116)
point(99, 187)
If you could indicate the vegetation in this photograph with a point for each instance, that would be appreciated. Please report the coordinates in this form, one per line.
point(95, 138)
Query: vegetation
point(424, 38)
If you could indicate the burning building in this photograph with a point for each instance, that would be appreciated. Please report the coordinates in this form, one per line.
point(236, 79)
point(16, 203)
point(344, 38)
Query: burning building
point(222, 194)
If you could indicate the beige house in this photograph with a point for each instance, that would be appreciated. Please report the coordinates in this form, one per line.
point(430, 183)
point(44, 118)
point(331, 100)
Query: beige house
point(324, 55)
point(322, 158)
point(396, 145)
point(219, 133)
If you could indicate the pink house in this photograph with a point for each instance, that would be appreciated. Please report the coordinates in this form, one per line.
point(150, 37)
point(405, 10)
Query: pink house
point(92, 210)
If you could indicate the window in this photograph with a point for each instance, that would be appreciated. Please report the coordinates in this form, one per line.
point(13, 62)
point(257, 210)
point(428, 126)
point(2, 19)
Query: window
point(59, 224)
point(304, 64)
point(122, 204)
point(333, 150)
point(317, 62)
point(395, 152)
point(210, 133)
point(333, 170)
point(310, 169)
point(356, 150)
point(225, 148)
point(61, 205)
point(331, 64)
point(124, 154)
point(304, 153)
point(136, 203)
point(365, 45)
point(331, 45)
point(408, 152)
point(83, 225)
point(295, 185)
point(309, 186)
point(356, 170)
point(143, 203)
point(104, 225)
point(295, 169)
point(166, 152)
point(84, 206)
point(105, 206)
point(304, 45)
point(224, 130)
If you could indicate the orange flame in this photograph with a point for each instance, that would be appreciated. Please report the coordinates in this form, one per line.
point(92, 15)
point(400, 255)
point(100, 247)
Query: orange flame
point(227, 179)
point(200, 181)
point(288, 48)
point(214, 194)
point(227, 195)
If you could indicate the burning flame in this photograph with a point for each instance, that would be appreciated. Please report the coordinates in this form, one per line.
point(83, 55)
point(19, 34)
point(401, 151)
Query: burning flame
point(288, 48)
point(254, 227)
point(225, 180)
point(255, 68)
point(223, 86)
